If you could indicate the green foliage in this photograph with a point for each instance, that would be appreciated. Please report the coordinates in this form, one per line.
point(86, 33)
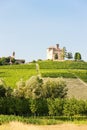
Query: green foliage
point(82, 107)
point(77, 56)
point(43, 107)
point(71, 107)
point(55, 107)
point(57, 73)
point(43, 120)
point(33, 106)
point(8, 92)
point(38, 89)
point(11, 105)
point(54, 88)
point(64, 52)
point(82, 74)
point(69, 55)
point(2, 88)
point(4, 61)
point(62, 65)
point(34, 87)
point(20, 90)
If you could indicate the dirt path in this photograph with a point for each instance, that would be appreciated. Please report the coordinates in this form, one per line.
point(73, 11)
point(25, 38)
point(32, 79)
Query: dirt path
point(21, 126)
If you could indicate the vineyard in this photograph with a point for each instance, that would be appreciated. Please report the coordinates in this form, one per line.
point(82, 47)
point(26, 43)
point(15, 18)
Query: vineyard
point(51, 100)
point(66, 69)
point(12, 74)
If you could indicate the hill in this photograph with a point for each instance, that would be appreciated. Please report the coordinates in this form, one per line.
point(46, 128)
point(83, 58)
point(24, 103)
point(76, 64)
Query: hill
point(72, 71)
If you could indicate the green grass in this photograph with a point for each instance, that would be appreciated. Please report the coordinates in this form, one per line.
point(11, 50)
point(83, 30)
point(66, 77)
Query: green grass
point(43, 120)
point(62, 65)
point(12, 74)
point(82, 74)
point(67, 69)
point(54, 73)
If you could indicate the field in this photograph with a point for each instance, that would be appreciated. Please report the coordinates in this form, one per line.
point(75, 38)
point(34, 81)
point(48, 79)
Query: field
point(21, 126)
point(66, 69)
point(22, 123)
point(75, 75)
point(12, 74)
point(70, 70)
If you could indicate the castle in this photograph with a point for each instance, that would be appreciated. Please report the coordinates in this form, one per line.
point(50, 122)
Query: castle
point(55, 53)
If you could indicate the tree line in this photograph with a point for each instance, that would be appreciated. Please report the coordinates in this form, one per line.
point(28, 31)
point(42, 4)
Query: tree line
point(77, 56)
point(10, 60)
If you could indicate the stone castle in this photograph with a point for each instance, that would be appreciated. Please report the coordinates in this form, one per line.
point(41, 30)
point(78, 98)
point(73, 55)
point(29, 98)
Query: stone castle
point(55, 53)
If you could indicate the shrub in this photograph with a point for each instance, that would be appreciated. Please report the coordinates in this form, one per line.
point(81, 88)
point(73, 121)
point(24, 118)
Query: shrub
point(55, 107)
point(55, 88)
point(71, 107)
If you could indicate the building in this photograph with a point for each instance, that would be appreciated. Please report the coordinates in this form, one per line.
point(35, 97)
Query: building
point(16, 61)
point(55, 53)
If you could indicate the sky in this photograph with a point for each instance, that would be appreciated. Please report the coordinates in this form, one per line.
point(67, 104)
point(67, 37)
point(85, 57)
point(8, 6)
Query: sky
point(29, 27)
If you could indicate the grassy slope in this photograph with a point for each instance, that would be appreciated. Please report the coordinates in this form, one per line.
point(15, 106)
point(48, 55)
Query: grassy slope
point(75, 73)
point(66, 69)
point(12, 74)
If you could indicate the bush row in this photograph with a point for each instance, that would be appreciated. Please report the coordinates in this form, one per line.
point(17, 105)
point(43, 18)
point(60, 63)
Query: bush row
point(62, 65)
point(43, 107)
point(82, 74)
point(22, 66)
point(22, 106)
point(58, 74)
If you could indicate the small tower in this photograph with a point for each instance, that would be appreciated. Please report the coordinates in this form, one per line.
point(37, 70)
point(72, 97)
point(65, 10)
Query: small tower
point(13, 54)
point(57, 46)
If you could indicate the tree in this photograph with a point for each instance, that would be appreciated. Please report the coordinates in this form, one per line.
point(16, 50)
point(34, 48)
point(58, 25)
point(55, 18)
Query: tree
point(38, 88)
point(71, 107)
point(3, 61)
point(77, 56)
point(55, 106)
point(33, 106)
point(55, 88)
point(9, 91)
point(34, 88)
point(69, 55)
point(20, 90)
point(2, 88)
point(64, 54)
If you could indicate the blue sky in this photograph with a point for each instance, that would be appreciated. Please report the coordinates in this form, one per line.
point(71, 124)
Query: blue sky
point(28, 27)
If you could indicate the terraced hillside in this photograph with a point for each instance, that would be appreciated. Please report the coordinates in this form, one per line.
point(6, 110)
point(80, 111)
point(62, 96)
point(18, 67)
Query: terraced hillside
point(66, 69)
point(75, 74)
